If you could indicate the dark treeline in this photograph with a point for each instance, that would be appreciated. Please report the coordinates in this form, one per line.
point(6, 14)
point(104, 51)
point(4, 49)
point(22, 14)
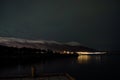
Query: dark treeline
point(14, 51)
point(27, 54)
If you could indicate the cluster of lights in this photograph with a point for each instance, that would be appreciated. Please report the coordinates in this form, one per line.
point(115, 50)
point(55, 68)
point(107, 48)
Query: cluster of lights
point(79, 53)
point(70, 52)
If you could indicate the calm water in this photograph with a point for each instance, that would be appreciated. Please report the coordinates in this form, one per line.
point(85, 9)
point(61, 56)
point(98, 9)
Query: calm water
point(81, 68)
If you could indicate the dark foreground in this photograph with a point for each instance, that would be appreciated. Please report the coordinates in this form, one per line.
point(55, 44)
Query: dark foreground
point(84, 67)
point(55, 76)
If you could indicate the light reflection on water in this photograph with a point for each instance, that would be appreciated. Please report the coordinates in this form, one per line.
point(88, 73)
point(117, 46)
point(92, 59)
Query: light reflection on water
point(53, 66)
point(85, 59)
point(81, 66)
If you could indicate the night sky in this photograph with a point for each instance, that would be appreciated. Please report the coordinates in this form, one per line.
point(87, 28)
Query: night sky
point(94, 23)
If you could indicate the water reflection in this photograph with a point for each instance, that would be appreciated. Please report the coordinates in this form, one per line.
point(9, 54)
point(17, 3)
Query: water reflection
point(85, 59)
point(76, 66)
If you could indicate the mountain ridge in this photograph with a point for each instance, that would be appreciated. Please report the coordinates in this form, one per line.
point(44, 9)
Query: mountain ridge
point(43, 44)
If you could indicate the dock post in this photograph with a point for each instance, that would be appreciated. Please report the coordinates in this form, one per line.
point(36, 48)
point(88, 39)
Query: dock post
point(33, 71)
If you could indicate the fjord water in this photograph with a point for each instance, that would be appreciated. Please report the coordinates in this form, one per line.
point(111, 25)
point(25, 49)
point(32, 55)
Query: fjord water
point(83, 67)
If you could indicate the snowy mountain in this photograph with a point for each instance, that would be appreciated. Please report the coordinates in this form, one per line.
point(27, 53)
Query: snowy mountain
point(43, 44)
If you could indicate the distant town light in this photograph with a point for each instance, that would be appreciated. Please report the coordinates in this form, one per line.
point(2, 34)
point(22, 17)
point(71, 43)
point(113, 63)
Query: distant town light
point(68, 52)
point(90, 53)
